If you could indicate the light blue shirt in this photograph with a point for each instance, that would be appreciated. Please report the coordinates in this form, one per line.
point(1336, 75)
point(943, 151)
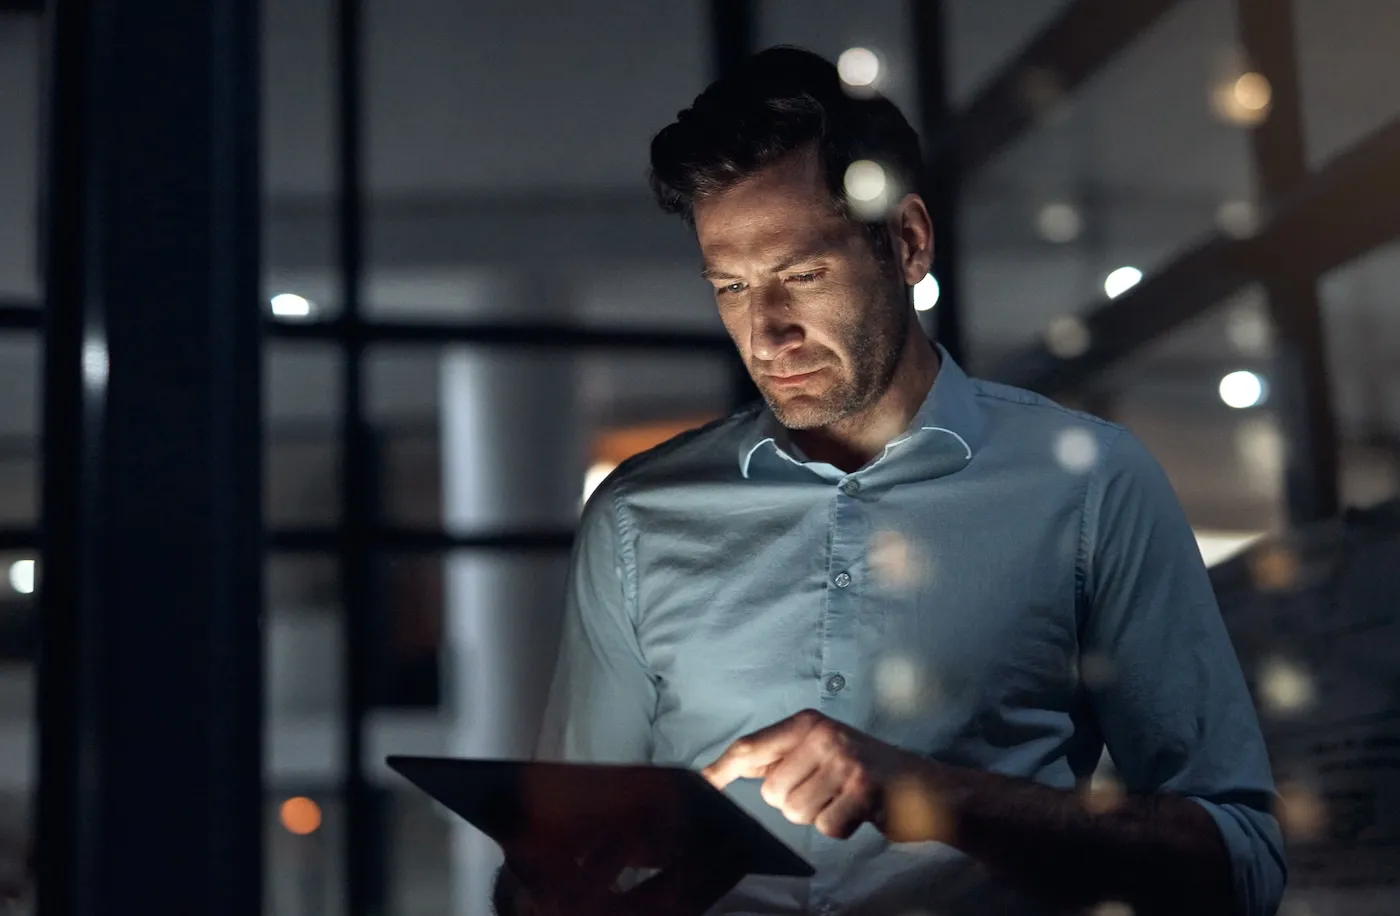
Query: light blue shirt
point(1010, 586)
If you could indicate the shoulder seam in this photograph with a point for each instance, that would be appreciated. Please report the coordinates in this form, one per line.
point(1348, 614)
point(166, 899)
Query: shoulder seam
point(670, 445)
point(1040, 401)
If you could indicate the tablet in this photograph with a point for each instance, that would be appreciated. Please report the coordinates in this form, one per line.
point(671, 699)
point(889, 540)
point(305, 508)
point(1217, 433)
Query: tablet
point(563, 807)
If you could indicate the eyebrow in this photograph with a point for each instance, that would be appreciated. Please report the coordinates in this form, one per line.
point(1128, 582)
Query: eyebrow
point(813, 253)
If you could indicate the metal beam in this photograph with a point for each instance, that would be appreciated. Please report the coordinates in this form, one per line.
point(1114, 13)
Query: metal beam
point(732, 42)
point(1077, 44)
point(1344, 210)
point(390, 539)
point(385, 539)
point(1303, 390)
point(531, 336)
point(941, 180)
point(16, 315)
point(363, 852)
point(150, 685)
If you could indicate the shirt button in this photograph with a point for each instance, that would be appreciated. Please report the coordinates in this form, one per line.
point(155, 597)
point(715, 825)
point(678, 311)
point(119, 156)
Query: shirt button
point(851, 487)
point(836, 683)
point(842, 580)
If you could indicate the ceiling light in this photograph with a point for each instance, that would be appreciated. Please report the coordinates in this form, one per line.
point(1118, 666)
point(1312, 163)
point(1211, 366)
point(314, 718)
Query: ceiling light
point(1242, 389)
point(22, 575)
point(1121, 280)
point(290, 305)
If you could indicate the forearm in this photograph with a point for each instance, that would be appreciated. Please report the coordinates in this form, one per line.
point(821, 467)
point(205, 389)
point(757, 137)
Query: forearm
point(1157, 853)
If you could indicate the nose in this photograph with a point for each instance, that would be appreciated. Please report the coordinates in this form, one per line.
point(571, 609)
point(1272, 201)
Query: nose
point(773, 330)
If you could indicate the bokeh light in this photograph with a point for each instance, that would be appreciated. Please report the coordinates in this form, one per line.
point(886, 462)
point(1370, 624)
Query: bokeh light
point(1237, 218)
point(1249, 331)
point(1286, 688)
point(898, 685)
point(926, 293)
point(894, 562)
point(1059, 222)
point(1302, 815)
point(1253, 92)
point(290, 305)
point(865, 180)
point(1274, 568)
point(22, 576)
point(1112, 908)
point(1076, 449)
point(1043, 92)
point(1067, 337)
point(1243, 99)
point(914, 813)
point(1241, 389)
point(859, 68)
point(1121, 280)
point(301, 815)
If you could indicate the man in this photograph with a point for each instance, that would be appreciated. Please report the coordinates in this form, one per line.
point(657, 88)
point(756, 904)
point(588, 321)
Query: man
point(896, 611)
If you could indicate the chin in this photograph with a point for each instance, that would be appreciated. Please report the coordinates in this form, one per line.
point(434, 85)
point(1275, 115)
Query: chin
point(804, 411)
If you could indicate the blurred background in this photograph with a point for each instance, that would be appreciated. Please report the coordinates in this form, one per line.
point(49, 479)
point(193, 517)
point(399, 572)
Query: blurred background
point(1183, 215)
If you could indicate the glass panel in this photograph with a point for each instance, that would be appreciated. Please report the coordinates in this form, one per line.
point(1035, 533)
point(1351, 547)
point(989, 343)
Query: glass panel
point(302, 417)
point(986, 34)
point(543, 419)
point(1349, 71)
point(19, 429)
point(303, 861)
point(298, 164)
point(832, 26)
point(302, 763)
point(1127, 172)
point(501, 177)
point(1361, 318)
point(1226, 462)
point(21, 41)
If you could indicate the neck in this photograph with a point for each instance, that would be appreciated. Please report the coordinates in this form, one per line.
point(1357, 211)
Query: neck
point(853, 442)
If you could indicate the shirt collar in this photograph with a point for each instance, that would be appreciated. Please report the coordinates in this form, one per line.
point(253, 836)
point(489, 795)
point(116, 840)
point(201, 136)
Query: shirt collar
point(948, 417)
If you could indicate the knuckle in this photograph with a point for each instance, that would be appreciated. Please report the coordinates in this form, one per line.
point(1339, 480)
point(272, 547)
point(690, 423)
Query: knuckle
point(809, 718)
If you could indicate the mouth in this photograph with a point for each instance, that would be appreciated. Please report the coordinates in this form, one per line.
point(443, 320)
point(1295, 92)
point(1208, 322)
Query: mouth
point(798, 378)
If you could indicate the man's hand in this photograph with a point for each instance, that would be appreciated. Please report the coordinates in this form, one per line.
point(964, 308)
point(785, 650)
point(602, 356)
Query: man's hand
point(818, 771)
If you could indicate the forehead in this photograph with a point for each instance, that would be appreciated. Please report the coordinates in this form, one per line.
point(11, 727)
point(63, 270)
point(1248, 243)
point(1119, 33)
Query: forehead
point(785, 205)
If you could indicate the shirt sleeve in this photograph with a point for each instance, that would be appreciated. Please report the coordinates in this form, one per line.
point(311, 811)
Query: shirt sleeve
point(603, 697)
point(1175, 712)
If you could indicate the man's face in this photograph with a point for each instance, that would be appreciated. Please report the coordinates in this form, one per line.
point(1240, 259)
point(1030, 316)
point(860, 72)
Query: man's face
point(819, 320)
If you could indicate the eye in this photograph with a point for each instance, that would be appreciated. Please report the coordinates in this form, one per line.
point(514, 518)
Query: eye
point(736, 287)
point(805, 278)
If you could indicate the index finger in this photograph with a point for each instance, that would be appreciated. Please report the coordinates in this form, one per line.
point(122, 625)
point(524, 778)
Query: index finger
point(750, 756)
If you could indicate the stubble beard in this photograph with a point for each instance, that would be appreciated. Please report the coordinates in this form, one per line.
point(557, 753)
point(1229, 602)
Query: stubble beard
point(874, 352)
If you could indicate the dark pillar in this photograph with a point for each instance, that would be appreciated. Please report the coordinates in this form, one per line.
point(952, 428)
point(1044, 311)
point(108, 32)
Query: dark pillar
point(731, 42)
point(941, 167)
point(1302, 392)
point(366, 874)
point(150, 681)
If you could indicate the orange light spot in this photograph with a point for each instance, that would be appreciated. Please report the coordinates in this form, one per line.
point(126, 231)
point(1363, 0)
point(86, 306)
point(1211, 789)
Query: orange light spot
point(301, 815)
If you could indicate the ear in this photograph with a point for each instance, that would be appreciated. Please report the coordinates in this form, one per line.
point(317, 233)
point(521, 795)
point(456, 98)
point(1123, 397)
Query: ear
point(913, 235)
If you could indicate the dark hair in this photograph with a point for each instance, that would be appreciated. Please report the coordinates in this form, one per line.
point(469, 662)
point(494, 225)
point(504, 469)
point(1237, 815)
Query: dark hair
point(778, 102)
